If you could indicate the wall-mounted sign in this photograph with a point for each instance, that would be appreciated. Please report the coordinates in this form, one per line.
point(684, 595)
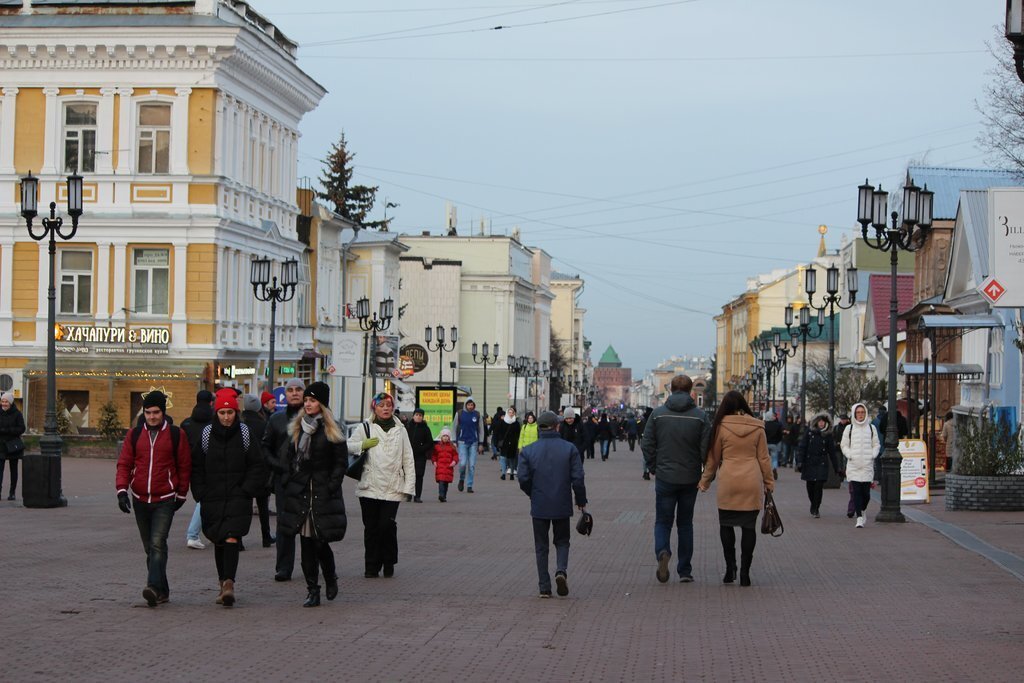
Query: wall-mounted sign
point(234, 371)
point(384, 355)
point(1006, 248)
point(87, 334)
point(417, 354)
point(286, 369)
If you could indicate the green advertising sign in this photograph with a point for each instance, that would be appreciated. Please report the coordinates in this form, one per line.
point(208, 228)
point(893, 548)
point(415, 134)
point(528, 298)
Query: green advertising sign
point(438, 406)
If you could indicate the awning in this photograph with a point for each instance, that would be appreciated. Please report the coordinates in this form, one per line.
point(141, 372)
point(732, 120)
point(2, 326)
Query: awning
point(959, 322)
point(311, 353)
point(960, 371)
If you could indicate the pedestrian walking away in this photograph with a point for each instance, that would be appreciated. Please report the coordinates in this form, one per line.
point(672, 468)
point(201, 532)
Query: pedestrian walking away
point(445, 458)
point(228, 471)
point(605, 435)
point(154, 470)
point(816, 451)
point(422, 441)
point(12, 426)
point(860, 446)
point(590, 430)
point(388, 478)
point(314, 507)
point(510, 433)
point(773, 432)
point(256, 420)
point(192, 426)
point(630, 428)
point(675, 445)
point(276, 443)
point(468, 430)
point(551, 474)
point(739, 454)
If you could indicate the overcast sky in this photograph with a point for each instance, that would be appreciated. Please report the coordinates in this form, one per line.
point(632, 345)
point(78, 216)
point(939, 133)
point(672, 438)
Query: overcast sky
point(664, 151)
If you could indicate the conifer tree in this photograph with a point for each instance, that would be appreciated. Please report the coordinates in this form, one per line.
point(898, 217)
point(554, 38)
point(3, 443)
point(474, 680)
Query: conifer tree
point(350, 201)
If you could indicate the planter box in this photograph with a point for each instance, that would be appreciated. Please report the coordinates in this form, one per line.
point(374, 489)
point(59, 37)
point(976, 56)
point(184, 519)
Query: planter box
point(984, 493)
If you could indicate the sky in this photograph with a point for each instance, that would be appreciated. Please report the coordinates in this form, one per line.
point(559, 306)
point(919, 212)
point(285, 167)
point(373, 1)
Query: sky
point(664, 151)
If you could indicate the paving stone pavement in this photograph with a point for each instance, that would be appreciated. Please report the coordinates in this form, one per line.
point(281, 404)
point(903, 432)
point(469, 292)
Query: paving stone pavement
point(829, 602)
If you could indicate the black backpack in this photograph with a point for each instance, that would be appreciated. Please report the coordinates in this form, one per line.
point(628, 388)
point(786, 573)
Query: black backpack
point(175, 438)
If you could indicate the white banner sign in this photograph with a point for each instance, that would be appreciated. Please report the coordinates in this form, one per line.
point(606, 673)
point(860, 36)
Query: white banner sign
point(1005, 283)
point(347, 354)
point(914, 471)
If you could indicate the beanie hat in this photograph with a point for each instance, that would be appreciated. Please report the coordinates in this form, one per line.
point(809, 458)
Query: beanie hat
point(295, 382)
point(320, 391)
point(267, 396)
point(204, 396)
point(547, 420)
point(446, 432)
point(155, 399)
point(7, 396)
point(380, 398)
point(250, 402)
point(226, 398)
point(568, 413)
point(419, 411)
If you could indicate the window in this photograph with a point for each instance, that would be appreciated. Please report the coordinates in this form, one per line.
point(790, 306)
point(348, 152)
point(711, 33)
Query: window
point(154, 131)
point(75, 282)
point(79, 137)
point(995, 351)
point(151, 276)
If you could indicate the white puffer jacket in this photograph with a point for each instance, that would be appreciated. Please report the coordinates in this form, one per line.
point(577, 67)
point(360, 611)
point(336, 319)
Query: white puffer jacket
point(860, 446)
point(390, 471)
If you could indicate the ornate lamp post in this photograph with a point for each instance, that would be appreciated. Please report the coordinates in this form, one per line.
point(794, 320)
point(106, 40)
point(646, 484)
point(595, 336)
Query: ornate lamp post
point(42, 472)
point(440, 347)
point(367, 324)
point(783, 352)
point(539, 373)
point(485, 360)
point(516, 366)
point(266, 289)
point(831, 301)
point(910, 235)
point(804, 333)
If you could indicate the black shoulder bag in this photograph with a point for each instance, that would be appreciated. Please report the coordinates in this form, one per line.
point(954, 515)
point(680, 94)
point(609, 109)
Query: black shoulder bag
point(357, 462)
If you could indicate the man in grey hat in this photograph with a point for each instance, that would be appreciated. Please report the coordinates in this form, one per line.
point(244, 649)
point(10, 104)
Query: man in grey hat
point(551, 473)
point(275, 450)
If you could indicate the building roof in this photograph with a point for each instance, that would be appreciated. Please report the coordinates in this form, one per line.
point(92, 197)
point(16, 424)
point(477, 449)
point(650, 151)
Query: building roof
point(609, 359)
point(947, 183)
point(879, 291)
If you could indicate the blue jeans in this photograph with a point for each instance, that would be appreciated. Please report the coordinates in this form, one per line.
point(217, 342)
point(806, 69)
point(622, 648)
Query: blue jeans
point(773, 451)
point(674, 500)
point(467, 460)
point(560, 533)
point(195, 526)
point(154, 522)
point(604, 448)
point(502, 464)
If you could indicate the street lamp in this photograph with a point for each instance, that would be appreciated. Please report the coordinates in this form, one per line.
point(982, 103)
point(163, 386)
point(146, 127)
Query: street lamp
point(375, 323)
point(42, 472)
point(831, 301)
point(804, 333)
point(517, 365)
point(266, 289)
point(441, 347)
point(909, 236)
point(1015, 33)
point(539, 373)
point(485, 360)
point(783, 352)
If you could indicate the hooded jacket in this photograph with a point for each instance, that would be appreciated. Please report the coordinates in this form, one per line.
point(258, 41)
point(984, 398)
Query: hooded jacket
point(739, 456)
point(390, 470)
point(860, 444)
point(675, 442)
point(817, 448)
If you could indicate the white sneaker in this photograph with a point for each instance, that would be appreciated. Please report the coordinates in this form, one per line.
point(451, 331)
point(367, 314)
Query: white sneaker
point(508, 471)
point(195, 543)
point(860, 522)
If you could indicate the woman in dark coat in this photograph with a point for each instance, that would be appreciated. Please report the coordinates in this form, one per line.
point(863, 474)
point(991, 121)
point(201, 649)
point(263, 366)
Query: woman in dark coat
point(422, 441)
point(314, 507)
point(590, 429)
point(12, 426)
point(605, 434)
point(510, 443)
point(228, 471)
point(817, 448)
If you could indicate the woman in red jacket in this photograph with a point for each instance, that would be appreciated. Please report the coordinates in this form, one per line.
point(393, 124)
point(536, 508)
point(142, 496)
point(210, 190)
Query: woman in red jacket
point(445, 458)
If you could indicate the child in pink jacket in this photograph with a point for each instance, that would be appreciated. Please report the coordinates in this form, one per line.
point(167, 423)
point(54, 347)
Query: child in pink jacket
point(445, 458)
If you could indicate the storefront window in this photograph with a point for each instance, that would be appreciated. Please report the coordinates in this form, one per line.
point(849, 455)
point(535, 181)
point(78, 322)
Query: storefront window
point(304, 370)
point(151, 278)
point(75, 282)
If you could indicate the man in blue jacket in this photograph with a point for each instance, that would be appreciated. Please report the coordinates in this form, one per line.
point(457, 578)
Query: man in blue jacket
point(468, 434)
point(550, 473)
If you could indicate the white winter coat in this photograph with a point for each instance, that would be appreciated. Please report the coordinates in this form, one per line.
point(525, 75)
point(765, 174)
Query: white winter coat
point(860, 446)
point(390, 471)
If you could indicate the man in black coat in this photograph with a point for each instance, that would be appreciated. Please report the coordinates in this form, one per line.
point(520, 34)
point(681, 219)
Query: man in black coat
point(571, 429)
point(422, 442)
point(275, 450)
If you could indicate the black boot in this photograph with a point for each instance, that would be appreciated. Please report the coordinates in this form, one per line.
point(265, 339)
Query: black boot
point(728, 536)
point(310, 570)
point(313, 597)
point(332, 587)
point(745, 570)
point(747, 544)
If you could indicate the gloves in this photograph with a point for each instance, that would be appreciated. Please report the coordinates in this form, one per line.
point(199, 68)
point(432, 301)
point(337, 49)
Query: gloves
point(123, 503)
point(369, 443)
point(179, 503)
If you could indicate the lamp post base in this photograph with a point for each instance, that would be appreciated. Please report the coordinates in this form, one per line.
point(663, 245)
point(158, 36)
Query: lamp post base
point(41, 475)
point(892, 461)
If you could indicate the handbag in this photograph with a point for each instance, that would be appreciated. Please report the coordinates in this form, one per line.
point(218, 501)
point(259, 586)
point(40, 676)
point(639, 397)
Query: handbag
point(771, 523)
point(15, 446)
point(358, 462)
point(585, 524)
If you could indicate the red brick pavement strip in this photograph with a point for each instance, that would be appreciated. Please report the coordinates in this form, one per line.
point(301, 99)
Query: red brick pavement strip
point(829, 602)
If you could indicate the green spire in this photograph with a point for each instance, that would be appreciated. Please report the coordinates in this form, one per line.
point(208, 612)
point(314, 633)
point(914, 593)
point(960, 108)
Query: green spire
point(610, 359)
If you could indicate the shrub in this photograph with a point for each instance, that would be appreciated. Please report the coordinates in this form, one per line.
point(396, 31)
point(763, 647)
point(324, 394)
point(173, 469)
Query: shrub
point(987, 447)
point(110, 427)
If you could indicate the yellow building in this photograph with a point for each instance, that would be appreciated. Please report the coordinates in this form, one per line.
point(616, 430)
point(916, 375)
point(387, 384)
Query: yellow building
point(183, 121)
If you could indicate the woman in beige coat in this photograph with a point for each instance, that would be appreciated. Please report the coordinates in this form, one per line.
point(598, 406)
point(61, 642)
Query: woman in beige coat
point(739, 453)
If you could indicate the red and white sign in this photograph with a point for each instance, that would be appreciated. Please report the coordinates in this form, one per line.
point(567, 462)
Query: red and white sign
point(992, 289)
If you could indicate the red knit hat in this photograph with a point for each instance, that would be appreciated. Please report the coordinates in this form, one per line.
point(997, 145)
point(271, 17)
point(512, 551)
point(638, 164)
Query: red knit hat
point(225, 398)
point(267, 396)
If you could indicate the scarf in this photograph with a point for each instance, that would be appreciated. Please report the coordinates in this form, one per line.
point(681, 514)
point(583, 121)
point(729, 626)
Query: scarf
point(387, 424)
point(509, 419)
point(309, 424)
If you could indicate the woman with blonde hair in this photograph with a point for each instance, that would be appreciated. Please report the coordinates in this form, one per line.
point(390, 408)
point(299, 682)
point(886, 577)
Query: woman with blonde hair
point(314, 506)
point(739, 453)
